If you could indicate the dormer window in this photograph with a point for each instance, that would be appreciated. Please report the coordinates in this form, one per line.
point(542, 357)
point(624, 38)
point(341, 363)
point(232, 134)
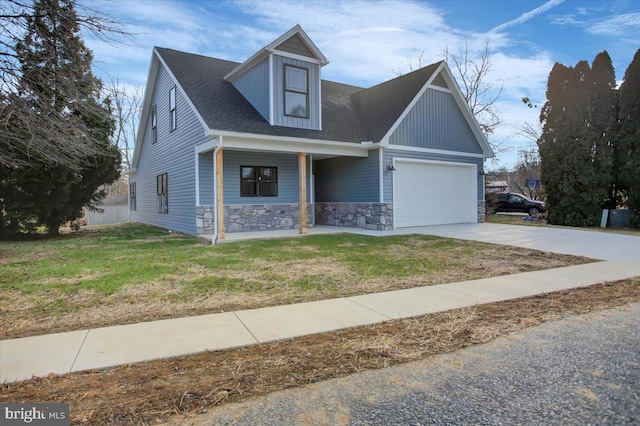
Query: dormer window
point(296, 91)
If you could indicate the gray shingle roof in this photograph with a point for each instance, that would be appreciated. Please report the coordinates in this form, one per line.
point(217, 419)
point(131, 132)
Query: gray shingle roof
point(349, 113)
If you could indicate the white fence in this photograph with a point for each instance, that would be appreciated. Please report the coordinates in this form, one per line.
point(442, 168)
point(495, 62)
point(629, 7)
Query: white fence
point(115, 209)
point(112, 214)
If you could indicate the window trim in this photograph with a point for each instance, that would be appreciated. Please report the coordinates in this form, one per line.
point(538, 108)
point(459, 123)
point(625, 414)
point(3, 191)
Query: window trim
point(257, 170)
point(132, 196)
point(162, 190)
point(154, 124)
point(284, 85)
point(173, 115)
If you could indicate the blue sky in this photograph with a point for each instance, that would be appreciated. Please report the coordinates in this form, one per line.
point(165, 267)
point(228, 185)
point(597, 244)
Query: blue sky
point(368, 42)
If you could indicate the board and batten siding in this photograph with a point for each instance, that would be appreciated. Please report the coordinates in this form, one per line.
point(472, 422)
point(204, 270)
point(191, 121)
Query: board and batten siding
point(254, 86)
point(313, 122)
point(348, 179)
point(389, 154)
point(436, 122)
point(173, 154)
point(287, 165)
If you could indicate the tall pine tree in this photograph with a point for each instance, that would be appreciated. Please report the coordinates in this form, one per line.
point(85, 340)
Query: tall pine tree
point(57, 79)
point(630, 133)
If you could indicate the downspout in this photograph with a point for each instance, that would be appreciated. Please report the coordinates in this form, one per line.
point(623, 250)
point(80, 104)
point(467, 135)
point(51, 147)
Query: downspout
point(214, 240)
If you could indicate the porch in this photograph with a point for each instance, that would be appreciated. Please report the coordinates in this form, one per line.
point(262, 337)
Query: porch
point(242, 191)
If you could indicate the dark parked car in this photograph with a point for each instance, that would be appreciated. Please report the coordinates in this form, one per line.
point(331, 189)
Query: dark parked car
point(513, 203)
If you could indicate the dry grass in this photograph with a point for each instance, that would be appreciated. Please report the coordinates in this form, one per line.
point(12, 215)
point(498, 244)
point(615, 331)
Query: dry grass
point(282, 272)
point(160, 390)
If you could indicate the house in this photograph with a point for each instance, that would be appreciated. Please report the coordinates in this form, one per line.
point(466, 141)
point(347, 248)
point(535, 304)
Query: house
point(267, 144)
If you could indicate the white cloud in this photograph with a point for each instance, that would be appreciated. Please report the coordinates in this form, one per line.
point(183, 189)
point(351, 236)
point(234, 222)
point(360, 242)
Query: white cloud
point(527, 16)
point(619, 25)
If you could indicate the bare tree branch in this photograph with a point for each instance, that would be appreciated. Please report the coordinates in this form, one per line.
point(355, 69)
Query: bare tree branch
point(31, 129)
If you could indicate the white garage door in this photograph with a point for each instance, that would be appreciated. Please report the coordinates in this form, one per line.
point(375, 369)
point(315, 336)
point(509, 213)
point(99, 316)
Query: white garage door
point(434, 193)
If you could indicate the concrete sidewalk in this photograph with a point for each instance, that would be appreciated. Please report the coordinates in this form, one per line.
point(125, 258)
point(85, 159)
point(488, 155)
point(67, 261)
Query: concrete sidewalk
point(20, 359)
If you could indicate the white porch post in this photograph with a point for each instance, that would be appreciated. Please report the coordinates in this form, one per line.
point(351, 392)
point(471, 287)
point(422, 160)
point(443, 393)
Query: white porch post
point(219, 195)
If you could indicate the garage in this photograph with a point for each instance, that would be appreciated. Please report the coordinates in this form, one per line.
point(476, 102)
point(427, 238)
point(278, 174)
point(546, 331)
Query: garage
point(434, 193)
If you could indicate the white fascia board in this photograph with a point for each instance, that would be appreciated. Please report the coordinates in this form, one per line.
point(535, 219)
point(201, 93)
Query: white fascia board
point(466, 111)
point(146, 106)
point(272, 102)
point(297, 57)
point(288, 144)
point(433, 151)
point(246, 65)
point(414, 101)
point(206, 146)
point(297, 29)
point(175, 80)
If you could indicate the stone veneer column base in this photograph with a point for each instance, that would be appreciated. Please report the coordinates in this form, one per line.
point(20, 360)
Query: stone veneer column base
point(204, 220)
point(482, 210)
point(264, 217)
point(375, 216)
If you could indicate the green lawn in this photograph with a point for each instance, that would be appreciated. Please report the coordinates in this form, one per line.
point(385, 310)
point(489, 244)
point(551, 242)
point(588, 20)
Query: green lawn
point(131, 272)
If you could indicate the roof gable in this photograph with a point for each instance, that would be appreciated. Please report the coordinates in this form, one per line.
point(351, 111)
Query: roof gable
point(294, 43)
point(381, 106)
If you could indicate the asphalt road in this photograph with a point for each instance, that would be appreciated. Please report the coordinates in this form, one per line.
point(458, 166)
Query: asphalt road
point(579, 371)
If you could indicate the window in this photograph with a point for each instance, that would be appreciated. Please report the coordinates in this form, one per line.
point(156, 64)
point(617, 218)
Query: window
point(132, 196)
point(163, 193)
point(258, 181)
point(154, 123)
point(172, 109)
point(296, 92)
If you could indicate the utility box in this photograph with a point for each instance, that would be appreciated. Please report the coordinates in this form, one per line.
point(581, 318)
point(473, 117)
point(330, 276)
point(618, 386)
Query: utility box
point(619, 218)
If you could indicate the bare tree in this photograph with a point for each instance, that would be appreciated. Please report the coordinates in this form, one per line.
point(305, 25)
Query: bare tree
point(480, 93)
point(126, 107)
point(31, 130)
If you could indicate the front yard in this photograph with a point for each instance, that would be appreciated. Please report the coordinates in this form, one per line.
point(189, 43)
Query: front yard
point(130, 273)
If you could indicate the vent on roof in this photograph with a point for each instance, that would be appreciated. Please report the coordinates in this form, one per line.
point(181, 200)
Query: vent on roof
point(439, 81)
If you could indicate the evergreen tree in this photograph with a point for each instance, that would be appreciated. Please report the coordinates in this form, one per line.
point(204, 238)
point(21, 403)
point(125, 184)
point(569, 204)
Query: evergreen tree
point(630, 132)
point(603, 126)
point(576, 145)
point(57, 79)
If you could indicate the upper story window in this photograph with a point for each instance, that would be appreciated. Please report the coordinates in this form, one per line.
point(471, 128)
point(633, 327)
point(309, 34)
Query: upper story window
point(172, 109)
point(154, 123)
point(296, 91)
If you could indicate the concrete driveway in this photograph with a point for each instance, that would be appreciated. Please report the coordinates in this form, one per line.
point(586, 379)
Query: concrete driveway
point(593, 244)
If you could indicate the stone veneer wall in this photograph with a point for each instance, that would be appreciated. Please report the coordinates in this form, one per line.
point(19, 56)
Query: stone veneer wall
point(264, 217)
point(482, 211)
point(377, 216)
point(204, 220)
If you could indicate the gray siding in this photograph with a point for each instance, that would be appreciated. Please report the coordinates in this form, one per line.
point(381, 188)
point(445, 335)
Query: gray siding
point(254, 86)
point(313, 122)
point(389, 154)
point(296, 45)
point(287, 165)
point(436, 122)
point(205, 170)
point(348, 179)
point(172, 154)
